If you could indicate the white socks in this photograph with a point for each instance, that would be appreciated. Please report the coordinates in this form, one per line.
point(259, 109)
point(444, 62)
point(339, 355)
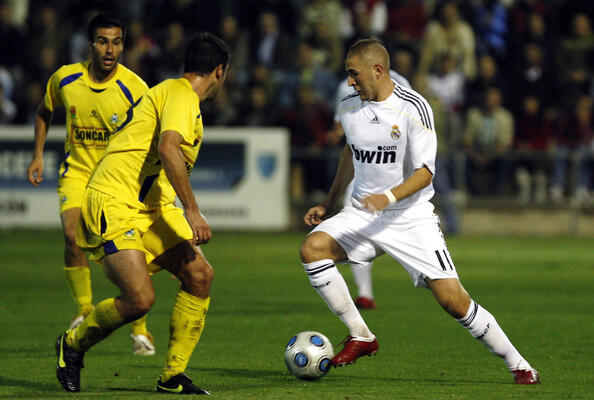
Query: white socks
point(483, 326)
point(362, 275)
point(330, 285)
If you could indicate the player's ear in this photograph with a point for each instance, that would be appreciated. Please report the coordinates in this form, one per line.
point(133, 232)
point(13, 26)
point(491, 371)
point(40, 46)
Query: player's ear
point(378, 69)
point(219, 71)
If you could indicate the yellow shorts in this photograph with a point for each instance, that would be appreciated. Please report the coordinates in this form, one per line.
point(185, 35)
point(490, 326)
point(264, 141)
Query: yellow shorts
point(70, 192)
point(109, 225)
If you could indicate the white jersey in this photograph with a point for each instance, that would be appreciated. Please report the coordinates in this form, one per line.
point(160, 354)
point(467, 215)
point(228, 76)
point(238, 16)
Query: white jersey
point(344, 89)
point(389, 139)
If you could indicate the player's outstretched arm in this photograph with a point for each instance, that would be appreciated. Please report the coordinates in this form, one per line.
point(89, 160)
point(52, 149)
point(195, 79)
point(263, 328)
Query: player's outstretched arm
point(43, 118)
point(175, 169)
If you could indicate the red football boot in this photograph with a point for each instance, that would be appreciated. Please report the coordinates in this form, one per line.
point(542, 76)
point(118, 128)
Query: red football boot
point(365, 303)
point(526, 376)
point(354, 349)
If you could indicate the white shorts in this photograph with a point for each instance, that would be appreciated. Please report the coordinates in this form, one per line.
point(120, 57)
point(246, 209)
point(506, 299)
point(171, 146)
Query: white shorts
point(411, 236)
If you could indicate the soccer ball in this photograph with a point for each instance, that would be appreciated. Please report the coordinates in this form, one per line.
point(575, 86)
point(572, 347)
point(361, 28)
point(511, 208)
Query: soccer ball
point(308, 355)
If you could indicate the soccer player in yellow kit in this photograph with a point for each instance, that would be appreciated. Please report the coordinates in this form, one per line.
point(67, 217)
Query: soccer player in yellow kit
point(131, 223)
point(96, 95)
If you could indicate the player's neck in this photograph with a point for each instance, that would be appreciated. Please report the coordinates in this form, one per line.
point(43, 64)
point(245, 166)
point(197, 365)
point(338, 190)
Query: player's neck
point(200, 84)
point(100, 76)
point(385, 91)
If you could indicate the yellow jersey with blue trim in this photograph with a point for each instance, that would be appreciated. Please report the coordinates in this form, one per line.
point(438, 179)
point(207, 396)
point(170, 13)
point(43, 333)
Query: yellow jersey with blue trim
point(131, 168)
point(93, 112)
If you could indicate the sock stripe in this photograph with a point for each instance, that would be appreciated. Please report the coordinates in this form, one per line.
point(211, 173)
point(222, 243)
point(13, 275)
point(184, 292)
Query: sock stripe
point(471, 317)
point(317, 270)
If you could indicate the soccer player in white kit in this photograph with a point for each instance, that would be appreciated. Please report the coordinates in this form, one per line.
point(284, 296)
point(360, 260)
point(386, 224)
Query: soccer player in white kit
point(361, 271)
point(390, 150)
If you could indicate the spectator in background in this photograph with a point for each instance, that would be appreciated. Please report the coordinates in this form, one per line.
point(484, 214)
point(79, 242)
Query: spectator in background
point(534, 76)
point(331, 11)
point(327, 47)
point(406, 24)
point(259, 109)
point(447, 84)
point(28, 101)
point(532, 142)
point(488, 76)
point(490, 27)
point(272, 46)
point(309, 120)
point(368, 18)
point(488, 136)
point(287, 13)
point(321, 27)
point(239, 43)
point(537, 31)
point(306, 71)
point(8, 109)
point(444, 160)
point(7, 82)
point(221, 111)
point(574, 142)
point(576, 59)
point(519, 14)
point(403, 61)
point(171, 53)
point(12, 44)
point(45, 32)
point(79, 42)
point(44, 64)
point(268, 79)
point(449, 33)
point(142, 52)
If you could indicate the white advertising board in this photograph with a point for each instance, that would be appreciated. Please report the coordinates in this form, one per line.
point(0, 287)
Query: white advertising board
point(240, 178)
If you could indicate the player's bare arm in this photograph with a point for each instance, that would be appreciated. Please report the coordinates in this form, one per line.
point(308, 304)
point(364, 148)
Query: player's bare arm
point(344, 174)
point(175, 168)
point(417, 181)
point(43, 118)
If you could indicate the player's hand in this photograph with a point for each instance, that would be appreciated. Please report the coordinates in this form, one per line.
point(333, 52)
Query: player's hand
point(375, 202)
point(35, 171)
point(200, 227)
point(314, 215)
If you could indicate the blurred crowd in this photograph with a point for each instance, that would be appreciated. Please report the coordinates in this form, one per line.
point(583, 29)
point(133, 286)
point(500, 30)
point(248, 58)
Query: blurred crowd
point(510, 81)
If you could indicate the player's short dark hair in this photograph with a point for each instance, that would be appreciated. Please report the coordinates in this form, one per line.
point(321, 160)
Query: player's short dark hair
point(104, 20)
point(204, 53)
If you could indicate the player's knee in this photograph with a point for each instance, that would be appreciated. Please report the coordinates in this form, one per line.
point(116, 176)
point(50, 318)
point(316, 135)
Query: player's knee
point(144, 303)
point(70, 239)
point(197, 277)
point(314, 248)
point(454, 305)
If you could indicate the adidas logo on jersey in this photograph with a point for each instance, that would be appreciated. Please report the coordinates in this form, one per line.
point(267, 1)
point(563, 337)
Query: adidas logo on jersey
point(374, 120)
point(383, 155)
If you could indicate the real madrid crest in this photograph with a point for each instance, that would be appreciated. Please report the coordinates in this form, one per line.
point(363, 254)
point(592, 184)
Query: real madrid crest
point(395, 134)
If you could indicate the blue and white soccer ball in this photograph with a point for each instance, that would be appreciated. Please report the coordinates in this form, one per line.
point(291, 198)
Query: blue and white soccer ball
point(308, 355)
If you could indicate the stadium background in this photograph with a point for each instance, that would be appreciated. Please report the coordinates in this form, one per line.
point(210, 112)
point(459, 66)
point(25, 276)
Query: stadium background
point(539, 284)
point(287, 60)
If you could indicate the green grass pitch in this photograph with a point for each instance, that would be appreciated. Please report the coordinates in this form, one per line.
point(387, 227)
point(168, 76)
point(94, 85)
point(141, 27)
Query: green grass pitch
point(539, 289)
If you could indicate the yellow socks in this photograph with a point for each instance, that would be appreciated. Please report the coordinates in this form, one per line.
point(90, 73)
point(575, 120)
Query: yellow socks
point(138, 327)
point(98, 325)
point(79, 283)
point(186, 325)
